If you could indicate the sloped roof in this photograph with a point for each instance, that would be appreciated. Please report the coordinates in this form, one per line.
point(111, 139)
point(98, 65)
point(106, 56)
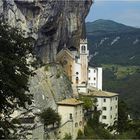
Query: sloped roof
point(64, 51)
point(70, 101)
point(99, 93)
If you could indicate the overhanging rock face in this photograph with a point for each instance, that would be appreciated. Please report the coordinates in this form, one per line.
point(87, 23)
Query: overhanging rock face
point(51, 23)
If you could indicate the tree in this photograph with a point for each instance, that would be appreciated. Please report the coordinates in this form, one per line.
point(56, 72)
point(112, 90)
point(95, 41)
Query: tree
point(49, 116)
point(14, 74)
point(122, 124)
point(89, 103)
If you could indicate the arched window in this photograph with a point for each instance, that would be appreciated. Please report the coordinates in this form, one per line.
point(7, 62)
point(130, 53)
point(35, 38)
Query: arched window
point(80, 123)
point(76, 124)
point(83, 49)
point(70, 116)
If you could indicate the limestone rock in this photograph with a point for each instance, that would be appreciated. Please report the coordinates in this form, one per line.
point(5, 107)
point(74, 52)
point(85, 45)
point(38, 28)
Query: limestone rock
point(50, 85)
point(52, 24)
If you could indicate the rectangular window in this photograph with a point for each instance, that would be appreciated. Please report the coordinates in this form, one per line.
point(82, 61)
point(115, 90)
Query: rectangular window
point(70, 116)
point(88, 78)
point(89, 71)
point(104, 108)
point(111, 108)
point(116, 98)
point(111, 116)
point(104, 100)
point(94, 78)
point(104, 117)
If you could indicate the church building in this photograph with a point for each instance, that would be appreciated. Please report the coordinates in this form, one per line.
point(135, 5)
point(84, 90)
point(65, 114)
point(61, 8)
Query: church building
point(75, 63)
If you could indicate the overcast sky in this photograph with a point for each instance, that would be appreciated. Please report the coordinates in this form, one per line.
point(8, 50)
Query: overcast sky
point(122, 11)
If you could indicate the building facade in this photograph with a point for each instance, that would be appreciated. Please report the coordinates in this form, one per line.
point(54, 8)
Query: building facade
point(72, 117)
point(75, 63)
point(95, 77)
point(107, 104)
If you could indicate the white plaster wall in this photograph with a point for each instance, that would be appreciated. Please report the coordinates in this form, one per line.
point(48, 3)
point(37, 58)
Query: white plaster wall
point(68, 125)
point(110, 102)
point(82, 88)
point(114, 111)
point(97, 74)
point(102, 104)
point(99, 78)
point(76, 68)
point(92, 73)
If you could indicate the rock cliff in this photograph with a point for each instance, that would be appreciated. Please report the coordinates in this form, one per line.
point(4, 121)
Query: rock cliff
point(52, 24)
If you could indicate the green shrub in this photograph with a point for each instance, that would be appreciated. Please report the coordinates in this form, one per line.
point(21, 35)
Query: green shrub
point(80, 134)
point(67, 136)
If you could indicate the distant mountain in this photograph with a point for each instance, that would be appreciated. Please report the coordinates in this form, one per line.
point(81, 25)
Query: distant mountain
point(117, 48)
point(113, 43)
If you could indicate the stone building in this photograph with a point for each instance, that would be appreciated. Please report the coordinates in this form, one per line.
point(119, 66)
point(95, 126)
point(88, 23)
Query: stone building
point(75, 63)
point(72, 117)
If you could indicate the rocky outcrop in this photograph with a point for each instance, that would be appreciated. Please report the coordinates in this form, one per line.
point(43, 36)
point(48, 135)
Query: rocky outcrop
point(50, 85)
point(52, 24)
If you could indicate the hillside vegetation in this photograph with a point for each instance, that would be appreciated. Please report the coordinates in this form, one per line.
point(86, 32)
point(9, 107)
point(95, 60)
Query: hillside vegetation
point(113, 43)
point(116, 48)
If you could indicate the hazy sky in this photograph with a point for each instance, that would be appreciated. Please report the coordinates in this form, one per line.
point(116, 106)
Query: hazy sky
point(122, 11)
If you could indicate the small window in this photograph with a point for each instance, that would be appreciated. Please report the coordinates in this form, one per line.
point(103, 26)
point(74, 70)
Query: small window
point(76, 124)
point(111, 108)
point(88, 78)
point(104, 117)
point(94, 78)
point(111, 116)
point(80, 123)
point(94, 71)
point(104, 108)
point(77, 80)
point(70, 116)
point(77, 73)
point(104, 100)
point(116, 106)
point(83, 49)
point(116, 98)
point(89, 71)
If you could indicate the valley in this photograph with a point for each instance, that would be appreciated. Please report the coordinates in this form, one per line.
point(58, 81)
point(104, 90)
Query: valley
point(116, 48)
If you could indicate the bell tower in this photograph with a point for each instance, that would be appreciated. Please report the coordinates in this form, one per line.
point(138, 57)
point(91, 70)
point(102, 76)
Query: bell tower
point(84, 53)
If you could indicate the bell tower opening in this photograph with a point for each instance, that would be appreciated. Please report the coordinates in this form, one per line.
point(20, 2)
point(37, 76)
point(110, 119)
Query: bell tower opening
point(83, 46)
